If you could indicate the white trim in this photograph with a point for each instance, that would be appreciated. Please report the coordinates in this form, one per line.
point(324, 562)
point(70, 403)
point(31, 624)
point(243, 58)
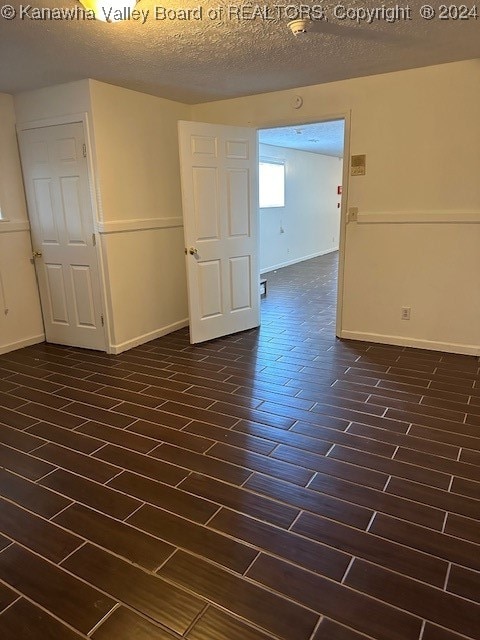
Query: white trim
point(83, 119)
point(52, 122)
point(290, 121)
point(96, 204)
point(450, 347)
point(146, 337)
point(342, 248)
point(8, 226)
point(419, 217)
point(26, 342)
point(297, 260)
point(118, 226)
point(346, 116)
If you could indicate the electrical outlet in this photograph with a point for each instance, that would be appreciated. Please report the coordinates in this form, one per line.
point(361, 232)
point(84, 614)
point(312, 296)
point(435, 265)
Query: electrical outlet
point(352, 214)
point(405, 313)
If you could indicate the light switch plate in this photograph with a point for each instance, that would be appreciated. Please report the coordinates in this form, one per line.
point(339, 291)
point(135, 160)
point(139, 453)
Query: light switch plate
point(352, 214)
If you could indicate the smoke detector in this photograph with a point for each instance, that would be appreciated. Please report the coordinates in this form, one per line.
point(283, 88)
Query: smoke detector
point(298, 27)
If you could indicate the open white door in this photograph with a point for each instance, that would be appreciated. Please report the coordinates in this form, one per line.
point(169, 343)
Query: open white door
point(220, 204)
point(59, 207)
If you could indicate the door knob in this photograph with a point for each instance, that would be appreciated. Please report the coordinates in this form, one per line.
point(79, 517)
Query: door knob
point(37, 254)
point(192, 251)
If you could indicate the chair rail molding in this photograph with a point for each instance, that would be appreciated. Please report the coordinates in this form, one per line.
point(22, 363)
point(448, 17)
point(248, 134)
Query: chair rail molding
point(434, 216)
point(9, 226)
point(119, 226)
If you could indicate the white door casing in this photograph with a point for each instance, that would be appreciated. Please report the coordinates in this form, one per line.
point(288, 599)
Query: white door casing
point(220, 211)
point(57, 188)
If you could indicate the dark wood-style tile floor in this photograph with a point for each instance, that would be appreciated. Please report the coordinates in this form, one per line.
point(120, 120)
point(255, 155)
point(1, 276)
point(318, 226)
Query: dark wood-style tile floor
point(277, 484)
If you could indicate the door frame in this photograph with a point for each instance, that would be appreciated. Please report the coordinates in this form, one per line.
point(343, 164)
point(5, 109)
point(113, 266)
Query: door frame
point(83, 119)
point(346, 116)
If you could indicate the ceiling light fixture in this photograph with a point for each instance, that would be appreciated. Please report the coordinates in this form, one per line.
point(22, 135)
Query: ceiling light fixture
point(110, 10)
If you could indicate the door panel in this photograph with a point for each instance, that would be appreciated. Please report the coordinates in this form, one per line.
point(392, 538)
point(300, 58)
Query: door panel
point(65, 149)
point(44, 205)
point(83, 296)
point(72, 213)
point(204, 146)
point(210, 288)
point(207, 215)
point(238, 202)
point(240, 283)
point(237, 149)
point(219, 190)
point(56, 293)
point(59, 208)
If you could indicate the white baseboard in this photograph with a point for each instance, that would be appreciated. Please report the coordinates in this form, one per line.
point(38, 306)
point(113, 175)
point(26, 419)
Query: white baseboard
point(297, 260)
point(26, 342)
point(449, 347)
point(146, 337)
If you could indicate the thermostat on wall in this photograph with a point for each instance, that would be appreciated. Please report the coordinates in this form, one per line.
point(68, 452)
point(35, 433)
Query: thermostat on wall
point(358, 165)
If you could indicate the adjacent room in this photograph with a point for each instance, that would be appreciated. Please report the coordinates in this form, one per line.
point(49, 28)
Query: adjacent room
point(300, 186)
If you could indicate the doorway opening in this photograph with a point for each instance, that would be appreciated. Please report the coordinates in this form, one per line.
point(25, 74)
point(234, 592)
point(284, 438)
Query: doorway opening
point(301, 177)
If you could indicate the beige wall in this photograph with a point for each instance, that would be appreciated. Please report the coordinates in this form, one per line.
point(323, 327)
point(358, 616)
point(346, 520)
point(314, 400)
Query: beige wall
point(141, 223)
point(134, 152)
point(20, 317)
point(146, 284)
point(421, 134)
point(137, 153)
point(416, 242)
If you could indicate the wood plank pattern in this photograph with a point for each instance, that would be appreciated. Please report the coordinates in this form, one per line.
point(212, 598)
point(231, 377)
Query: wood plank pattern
point(24, 620)
point(217, 625)
point(268, 610)
point(328, 597)
point(75, 602)
point(143, 591)
point(432, 604)
point(124, 624)
point(277, 484)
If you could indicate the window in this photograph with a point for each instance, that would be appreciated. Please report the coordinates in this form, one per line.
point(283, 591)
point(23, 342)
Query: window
point(271, 179)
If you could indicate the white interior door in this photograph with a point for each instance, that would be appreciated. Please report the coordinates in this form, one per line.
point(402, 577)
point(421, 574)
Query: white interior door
point(220, 205)
point(58, 197)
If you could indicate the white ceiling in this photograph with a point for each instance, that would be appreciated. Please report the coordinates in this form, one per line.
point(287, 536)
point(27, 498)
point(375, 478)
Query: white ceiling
point(200, 60)
point(321, 137)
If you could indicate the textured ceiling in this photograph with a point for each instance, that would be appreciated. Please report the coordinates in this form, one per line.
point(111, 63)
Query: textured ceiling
point(200, 60)
point(322, 137)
